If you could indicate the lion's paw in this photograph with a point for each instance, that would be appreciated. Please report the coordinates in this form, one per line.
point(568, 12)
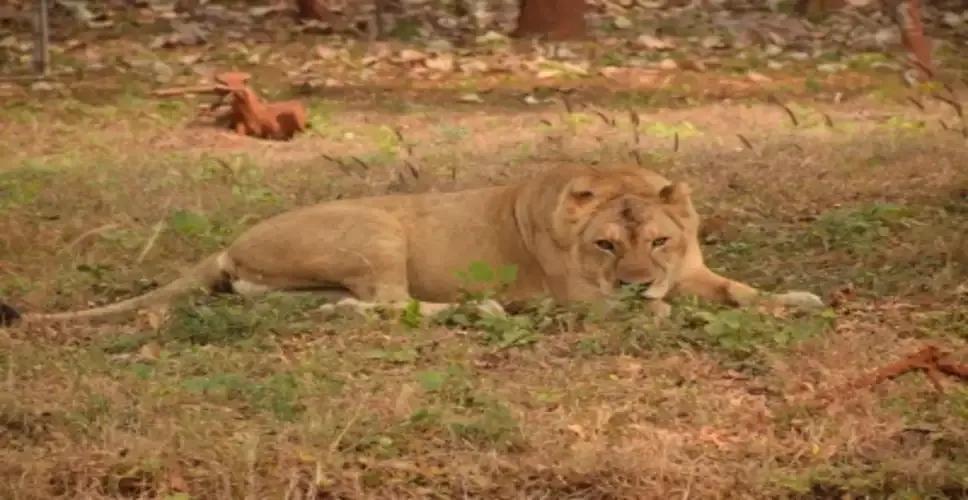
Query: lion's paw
point(801, 299)
point(491, 307)
point(346, 307)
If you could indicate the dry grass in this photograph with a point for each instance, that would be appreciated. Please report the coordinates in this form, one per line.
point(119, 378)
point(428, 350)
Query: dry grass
point(233, 399)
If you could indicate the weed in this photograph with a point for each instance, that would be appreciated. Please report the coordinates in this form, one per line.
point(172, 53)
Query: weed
point(481, 282)
point(453, 134)
point(739, 333)
point(22, 186)
point(666, 131)
point(125, 343)
point(397, 356)
point(232, 319)
point(464, 411)
point(860, 228)
point(410, 317)
point(276, 394)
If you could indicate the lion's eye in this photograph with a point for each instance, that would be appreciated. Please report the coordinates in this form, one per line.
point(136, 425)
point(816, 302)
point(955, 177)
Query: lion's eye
point(606, 245)
point(658, 242)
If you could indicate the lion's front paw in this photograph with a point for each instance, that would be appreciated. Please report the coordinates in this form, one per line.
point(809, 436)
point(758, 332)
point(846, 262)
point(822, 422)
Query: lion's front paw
point(801, 299)
point(346, 307)
point(491, 307)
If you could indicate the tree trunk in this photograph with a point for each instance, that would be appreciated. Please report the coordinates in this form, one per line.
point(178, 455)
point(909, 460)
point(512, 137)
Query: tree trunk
point(556, 19)
point(908, 16)
point(41, 39)
point(313, 9)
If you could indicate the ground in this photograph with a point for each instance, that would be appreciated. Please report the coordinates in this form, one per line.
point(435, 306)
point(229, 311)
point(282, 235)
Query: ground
point(106, 191)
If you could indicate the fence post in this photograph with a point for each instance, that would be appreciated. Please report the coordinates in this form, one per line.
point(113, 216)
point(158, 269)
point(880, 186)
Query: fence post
point(41, 40)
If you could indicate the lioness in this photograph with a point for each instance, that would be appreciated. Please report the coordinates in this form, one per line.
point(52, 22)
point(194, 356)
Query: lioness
point(575, 233)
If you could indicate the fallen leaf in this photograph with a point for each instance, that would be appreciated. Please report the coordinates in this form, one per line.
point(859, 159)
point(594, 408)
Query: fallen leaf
point(713, 42)
point(831, 67)
point(326, 53)
point(470, 97)
point(473, 66)
point(491, 37)
point(692, 64)
point(443, 62)
point(408, 56)
point(150, 351)
point(578, 430)
point(548, 73)
point(668, 64)
point(652, 43)
point(758, 77)
point(622, 22)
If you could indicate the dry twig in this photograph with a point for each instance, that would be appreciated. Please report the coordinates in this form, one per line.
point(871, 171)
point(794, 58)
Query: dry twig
point(929, 359)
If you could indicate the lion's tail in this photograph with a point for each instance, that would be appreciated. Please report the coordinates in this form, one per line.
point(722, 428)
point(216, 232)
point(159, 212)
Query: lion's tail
point(206, 274)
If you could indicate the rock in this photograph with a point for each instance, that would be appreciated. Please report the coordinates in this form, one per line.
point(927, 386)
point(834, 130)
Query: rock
point(668, 64)
point(470, 97)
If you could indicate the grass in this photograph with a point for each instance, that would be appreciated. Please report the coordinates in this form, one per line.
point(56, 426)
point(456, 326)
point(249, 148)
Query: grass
point(227, 397)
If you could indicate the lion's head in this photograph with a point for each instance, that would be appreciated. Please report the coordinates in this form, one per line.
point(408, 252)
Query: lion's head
point(609, 228)
point(635, 240)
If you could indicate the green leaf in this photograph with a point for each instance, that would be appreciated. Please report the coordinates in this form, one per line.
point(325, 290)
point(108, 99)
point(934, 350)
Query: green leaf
point(411, 316)
point(507, 274)
point(431, 380)
point(480, 272)
point(189, 223)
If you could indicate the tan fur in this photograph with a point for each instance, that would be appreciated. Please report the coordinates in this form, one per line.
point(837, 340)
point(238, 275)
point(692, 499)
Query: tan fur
point(574, 233)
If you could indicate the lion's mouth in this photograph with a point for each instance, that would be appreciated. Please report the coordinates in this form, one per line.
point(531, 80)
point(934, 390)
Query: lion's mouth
point(640, 288)
point(644, 289)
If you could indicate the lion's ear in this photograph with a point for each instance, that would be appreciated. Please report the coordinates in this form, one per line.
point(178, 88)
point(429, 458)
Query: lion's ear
point(676, 193)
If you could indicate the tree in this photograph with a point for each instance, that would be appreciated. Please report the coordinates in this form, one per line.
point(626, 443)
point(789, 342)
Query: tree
point(556, 19)
point(313, 9)
point(907, 15)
